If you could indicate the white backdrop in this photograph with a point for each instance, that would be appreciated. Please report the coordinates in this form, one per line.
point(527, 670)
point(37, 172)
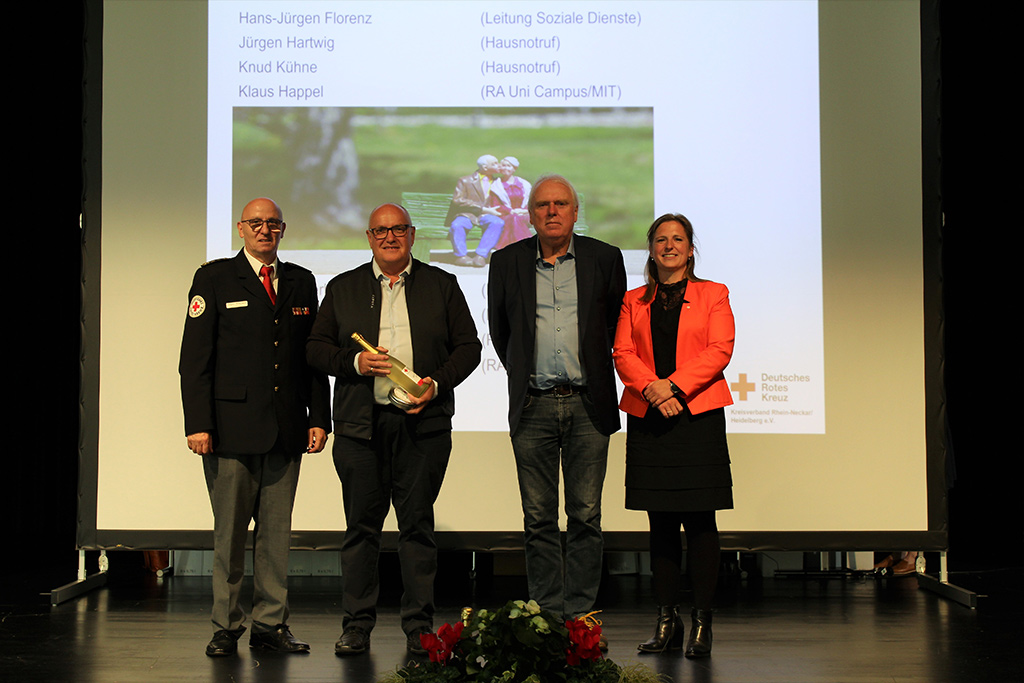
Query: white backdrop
point(809, 209)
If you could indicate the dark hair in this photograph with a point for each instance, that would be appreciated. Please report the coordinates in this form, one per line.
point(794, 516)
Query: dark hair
point(651, 270)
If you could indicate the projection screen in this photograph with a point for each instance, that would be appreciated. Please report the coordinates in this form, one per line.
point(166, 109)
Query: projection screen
point(790, 133)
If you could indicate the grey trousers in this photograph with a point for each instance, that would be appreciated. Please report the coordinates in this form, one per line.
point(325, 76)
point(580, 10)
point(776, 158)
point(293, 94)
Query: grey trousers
point(261, 488)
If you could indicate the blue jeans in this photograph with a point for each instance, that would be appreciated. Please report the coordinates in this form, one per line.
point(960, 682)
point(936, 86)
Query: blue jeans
point(491, 227)
point(553, 431)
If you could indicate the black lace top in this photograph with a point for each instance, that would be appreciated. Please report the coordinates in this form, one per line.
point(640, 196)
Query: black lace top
point(668, 302)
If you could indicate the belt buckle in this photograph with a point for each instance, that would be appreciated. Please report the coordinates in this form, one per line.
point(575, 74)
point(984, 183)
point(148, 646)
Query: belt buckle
point(562, 390)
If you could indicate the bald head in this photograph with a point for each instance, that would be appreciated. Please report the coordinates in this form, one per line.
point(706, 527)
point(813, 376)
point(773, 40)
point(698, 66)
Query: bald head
point(264, 203)
point(391, 251)
point(389, 207)
point(261, 238)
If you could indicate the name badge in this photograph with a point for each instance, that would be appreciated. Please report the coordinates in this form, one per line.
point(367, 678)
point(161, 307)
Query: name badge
point(236, 304)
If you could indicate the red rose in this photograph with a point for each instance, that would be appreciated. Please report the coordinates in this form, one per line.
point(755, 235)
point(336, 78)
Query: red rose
point(439, 646)
point(584, 642)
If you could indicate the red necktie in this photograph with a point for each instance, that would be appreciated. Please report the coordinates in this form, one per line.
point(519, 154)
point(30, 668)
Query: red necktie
point(267, 275)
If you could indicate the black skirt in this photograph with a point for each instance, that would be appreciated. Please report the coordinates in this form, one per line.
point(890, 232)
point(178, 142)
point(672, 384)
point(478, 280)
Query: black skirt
point(678, 464)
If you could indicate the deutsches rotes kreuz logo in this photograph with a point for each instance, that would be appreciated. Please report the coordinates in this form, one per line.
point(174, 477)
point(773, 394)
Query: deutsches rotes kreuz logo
point(196, 306)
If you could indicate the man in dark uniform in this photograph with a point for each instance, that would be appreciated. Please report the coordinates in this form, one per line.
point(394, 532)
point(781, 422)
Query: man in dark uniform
point(384, 454)
point(252, 407)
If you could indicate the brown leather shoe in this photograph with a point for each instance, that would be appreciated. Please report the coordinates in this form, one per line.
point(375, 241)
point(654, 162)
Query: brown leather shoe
point(885, 562)
point(905, 567)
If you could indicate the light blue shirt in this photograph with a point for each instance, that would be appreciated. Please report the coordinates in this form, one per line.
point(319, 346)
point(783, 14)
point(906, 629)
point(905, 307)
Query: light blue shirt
point(556, 358)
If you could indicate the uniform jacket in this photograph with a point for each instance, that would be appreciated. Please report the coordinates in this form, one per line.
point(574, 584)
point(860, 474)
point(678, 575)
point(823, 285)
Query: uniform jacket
point(244, 377)
point(703, 348)
point(445, 345)
point(512, 315)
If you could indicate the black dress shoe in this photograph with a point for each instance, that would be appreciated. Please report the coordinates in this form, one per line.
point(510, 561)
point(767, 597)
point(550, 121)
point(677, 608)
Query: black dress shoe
point(699, 644)
point(668, 631)
point(354, 641)
point(224, 643)
point(413, 643)
point(279, 639)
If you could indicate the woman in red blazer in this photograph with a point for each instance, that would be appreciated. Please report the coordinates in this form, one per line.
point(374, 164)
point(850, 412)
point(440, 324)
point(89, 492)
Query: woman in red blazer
point(674, 339)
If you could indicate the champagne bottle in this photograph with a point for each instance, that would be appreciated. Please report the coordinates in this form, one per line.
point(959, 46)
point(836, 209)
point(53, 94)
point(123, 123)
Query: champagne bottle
point(400, 374)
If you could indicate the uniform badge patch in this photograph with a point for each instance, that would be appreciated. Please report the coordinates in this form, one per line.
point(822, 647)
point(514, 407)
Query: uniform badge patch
point(196, 306)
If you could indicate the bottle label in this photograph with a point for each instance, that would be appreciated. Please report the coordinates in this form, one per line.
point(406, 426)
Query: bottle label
point(412, 375)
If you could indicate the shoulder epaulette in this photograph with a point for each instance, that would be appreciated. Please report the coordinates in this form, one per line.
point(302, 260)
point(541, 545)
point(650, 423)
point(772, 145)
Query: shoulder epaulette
point(296, 266)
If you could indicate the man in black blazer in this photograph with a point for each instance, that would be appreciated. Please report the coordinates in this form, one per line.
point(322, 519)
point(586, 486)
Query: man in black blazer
point(252, 407)
point(553, 303)
point(384, 454)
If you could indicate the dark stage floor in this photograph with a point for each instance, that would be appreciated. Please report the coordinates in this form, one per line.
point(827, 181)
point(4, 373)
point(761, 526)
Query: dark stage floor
point(140, 628)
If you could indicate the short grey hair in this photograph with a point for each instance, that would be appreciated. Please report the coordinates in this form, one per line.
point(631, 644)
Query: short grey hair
point(554, 178)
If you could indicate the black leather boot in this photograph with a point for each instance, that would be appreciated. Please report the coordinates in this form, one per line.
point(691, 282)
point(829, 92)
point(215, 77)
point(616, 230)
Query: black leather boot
point(699, 644)
point(668, 632)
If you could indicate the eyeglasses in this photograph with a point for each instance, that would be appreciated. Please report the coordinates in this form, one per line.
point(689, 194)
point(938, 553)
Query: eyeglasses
point(381, 232)
point(273, 224)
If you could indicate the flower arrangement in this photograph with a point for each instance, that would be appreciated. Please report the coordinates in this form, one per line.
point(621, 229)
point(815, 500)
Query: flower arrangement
point(518, 643)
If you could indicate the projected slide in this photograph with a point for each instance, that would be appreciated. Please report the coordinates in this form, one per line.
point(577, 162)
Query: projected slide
point(710, 109)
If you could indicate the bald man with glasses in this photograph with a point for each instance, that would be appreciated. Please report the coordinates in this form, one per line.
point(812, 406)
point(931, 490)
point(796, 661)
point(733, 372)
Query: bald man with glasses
point(252, 408)
point(385, 454)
